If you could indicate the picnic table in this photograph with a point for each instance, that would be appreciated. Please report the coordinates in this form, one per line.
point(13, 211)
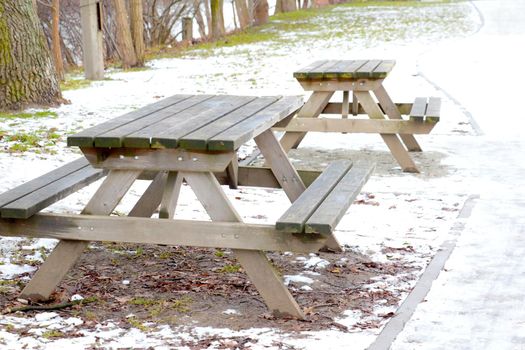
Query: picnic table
point(362, 78)
point(191, 138)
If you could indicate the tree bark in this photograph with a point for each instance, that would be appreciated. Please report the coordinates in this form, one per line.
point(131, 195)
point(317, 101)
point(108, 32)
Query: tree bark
point(199, 18)
point(278, 7)
point(288, 5)
point(137, 30)
point(260, 12)
point(55, 38)
point(27, 75)
point(217, 21)
point(242, 13)
point(124, 42)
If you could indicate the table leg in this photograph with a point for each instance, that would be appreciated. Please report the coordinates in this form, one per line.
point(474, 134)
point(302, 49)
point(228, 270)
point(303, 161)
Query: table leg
point(66, 253)
point(170, 195)
point(233, 173)
point(255, 263)
point(150, 200)
point(311, 109)
point(393, 113)
point(392, 141)
point(285, 173)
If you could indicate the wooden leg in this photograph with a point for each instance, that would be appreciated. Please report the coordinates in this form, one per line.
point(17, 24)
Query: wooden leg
point(345, 109)
point(170, 195)
point(393, 113)
point(392, 141)
point(66, 253)
point(259, 269)
point(233, 173)
point(311, 109)
point(150, 200)
point(355, 105)
point(285, 173)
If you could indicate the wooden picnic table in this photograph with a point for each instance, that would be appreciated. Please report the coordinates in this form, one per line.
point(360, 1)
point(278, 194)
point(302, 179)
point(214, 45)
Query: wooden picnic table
point(363, 78)
point(191, 138)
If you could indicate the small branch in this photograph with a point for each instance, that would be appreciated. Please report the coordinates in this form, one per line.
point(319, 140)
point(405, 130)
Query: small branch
point(46, 307)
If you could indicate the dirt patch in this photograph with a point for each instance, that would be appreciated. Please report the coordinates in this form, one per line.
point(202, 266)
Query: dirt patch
point(132, 285)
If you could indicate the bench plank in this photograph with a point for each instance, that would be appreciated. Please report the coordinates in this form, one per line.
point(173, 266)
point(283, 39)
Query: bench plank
point(329, 213)
point(344, 69)
point(433, 110)
point(115, 137)
point(86, 137)
point(315, 73)
point(43, 197)
point(242, 132)
point(41, 181)
point(295, 217)
point(419, 107)
point(367, 70)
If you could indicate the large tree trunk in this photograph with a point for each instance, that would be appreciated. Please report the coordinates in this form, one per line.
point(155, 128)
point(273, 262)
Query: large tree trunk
point(137, 30)
point(124, 42)
point(199, 18)
point(55, 38)
point(260, 12)
point(288, 5)
point(27, 74)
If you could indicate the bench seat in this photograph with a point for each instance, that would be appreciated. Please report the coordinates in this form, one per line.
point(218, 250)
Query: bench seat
point(426, 109)
point(320, 208)
point(29, 198)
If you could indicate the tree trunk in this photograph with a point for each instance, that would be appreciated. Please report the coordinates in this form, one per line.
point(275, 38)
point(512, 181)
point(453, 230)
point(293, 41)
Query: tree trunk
point(260, 12)
point(217, 22)
point(124, 42)
point(55, 39)
point(207, 13)
point(27, 75)
point(278, 7)
point(137, 30)
point(199, 19)
point(288, 5)
point(242, 12)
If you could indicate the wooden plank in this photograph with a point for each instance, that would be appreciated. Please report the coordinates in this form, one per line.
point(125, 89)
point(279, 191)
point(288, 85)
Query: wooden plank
point(329, 213)
point(115, 137)
point(295, 217)
point(41, 181)
point(302, 72)
point(394, 144)
point(317, 72)
point(198, 140)
point(382, 70)
point(368, 126)
point(170, 195)
point(345, 70)
point(151, 198)
point(66, 253)
point(335, 108)
point(341, 85)
point(261, 272)
point(210, 234)
point(391, 110)
point(417, 113)
point(433, 110)
point(233, 173)
point(244, 131)
point(367, 70)
point(263, 177)
point(281, 166)
point(157, 159)
point(168, 132)
point(86, 137)
point(43, 197)
point(311, 109)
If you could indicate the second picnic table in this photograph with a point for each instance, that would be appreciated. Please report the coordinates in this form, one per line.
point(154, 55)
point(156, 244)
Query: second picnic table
point(362, 78)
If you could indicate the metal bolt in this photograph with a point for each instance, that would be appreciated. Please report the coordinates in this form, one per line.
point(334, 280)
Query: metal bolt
point(194, 159)
point(136, 157)
point(180, 159)
point(121, 156)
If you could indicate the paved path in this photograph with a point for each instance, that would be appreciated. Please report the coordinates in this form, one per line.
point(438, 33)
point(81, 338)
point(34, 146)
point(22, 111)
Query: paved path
point(478, 301)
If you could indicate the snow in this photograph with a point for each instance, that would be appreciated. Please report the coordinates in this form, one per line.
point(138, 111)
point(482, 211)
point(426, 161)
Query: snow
point(473, 304)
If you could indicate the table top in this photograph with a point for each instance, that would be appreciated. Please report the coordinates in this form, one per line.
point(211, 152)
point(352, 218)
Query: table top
point(345, 70)
point(193, 122)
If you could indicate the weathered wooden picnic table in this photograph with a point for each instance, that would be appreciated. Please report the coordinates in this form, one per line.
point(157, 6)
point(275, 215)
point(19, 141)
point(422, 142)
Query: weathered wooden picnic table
point(191, 138)
point(362, 78)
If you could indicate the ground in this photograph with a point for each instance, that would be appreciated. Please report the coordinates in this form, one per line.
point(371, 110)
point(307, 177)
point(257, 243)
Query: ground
point(393, 230)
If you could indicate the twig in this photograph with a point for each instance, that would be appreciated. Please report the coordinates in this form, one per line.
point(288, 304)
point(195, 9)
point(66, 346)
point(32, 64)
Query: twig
point(47, 307)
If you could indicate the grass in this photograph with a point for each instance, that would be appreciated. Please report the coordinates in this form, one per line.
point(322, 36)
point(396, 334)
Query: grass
point(28, 115)
point(42, 140)
point(230, 268)
point(74, 83)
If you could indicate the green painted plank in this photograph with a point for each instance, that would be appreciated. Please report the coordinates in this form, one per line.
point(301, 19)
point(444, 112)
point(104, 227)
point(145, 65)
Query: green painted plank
point(114, 138)
point(86, 137)
point(326, 217)
point(43, 197)
point(295, 217)
point(419, 108)
point(198, 140)
point(41, 181)
point(170, 133)
point(304, 71)
point(234, 137)
point(382, 70)
point(318, 72)
point(433, 110)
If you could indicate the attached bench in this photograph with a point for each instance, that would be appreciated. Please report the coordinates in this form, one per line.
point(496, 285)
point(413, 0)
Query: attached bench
point(426, 110)
point(320, 208)
point(29, 198)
